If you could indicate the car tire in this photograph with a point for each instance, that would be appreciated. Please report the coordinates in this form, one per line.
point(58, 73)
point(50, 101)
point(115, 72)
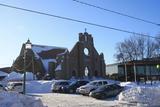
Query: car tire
point(71, 91)
point(103, 96)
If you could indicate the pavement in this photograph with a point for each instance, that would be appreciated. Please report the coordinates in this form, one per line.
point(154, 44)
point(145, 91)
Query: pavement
point(74, 100)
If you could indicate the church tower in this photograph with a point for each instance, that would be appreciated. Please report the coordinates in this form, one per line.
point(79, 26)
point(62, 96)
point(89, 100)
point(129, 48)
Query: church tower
point(86, 62)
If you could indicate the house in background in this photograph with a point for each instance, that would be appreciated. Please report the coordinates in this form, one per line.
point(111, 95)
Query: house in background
point(57, 62)
point(140, 70)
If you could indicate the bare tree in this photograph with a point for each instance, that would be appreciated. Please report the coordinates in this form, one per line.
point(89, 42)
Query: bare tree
point(135, 48)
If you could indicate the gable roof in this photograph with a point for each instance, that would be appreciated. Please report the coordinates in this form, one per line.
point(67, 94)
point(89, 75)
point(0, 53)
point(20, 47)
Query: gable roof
point(45, 51)
point(47, 54)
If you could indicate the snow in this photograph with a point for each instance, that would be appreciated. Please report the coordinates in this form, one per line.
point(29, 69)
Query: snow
point(46, 63)
point(3, 73)
point(128, 85)
point(63, 52)
point(141, 94)
point(74, 100)
point(40, 48)
point(148, 95)
point(39, 86)
point(13, 99)
point(58, 68)
point(18, 76)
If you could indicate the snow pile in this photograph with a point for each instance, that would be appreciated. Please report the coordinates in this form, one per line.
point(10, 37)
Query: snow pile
point(39, 86)
point(13, 76)
point(128, 85)
point(12, 99)
point(149, 95)
point(18, 76)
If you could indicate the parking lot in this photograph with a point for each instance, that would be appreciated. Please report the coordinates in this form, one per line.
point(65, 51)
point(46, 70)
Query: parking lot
point(73, 100)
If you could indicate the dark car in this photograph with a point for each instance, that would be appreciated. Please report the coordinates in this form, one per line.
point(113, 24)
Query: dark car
point(57, 85)
point(106, 91)
point(73, 86)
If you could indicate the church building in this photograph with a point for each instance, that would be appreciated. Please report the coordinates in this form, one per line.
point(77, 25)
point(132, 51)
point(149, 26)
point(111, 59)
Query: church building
point(57, 62)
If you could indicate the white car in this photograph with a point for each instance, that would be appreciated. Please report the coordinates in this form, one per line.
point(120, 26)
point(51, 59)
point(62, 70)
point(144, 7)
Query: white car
point(15, 86)
point(86, 89)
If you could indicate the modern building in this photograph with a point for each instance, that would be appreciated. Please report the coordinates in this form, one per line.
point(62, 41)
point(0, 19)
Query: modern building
point(57, 62)
point(140, 70)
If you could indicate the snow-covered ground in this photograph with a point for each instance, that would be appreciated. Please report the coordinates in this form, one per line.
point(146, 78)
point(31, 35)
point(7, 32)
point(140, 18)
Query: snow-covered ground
point(17, 76)
point(39, 86)
point(13, 99)
point(73, 100)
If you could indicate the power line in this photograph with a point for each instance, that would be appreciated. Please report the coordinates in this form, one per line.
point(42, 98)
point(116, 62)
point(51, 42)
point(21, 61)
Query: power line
point(75, 20)
point(115, 12)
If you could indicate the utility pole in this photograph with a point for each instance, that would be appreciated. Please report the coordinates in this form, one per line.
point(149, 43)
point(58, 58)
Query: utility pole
point(125, 71)
point(135, 78)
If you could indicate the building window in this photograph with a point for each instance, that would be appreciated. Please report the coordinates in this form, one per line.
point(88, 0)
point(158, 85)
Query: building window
point(86, 51)
point(86, 72)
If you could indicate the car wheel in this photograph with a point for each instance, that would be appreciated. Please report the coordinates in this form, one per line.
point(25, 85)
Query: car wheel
point(71, 91)
point(103, 96)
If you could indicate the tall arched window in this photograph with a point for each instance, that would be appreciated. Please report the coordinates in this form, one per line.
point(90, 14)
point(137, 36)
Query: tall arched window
point(86, 72)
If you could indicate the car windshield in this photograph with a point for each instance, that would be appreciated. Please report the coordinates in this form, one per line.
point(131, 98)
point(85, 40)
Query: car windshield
point(63, 83)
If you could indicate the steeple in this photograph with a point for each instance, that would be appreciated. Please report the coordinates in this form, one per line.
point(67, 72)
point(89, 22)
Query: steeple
point(28, 41)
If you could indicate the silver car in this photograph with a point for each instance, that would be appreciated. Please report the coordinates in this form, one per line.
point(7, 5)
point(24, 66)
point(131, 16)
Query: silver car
point(86, 89)
point(57, 85)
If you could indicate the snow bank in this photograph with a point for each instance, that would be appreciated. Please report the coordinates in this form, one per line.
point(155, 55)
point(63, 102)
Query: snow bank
point(39, 86)
point(18, 76)
point(128, 85)
point(149, 95)
point(12, 99)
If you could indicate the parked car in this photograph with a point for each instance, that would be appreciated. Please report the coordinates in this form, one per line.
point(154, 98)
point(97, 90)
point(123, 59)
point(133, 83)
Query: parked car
point(57, 85)
point(86, 89)
point(73, 86)
point(106, 91)
point(15, 86)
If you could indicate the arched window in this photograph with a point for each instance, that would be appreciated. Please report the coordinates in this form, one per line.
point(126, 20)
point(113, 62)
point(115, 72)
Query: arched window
point(86, 72)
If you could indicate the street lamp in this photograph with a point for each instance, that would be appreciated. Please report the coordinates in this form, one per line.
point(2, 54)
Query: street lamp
point(27, 46)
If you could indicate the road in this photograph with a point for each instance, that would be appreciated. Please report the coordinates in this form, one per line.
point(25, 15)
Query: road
point(72, 100)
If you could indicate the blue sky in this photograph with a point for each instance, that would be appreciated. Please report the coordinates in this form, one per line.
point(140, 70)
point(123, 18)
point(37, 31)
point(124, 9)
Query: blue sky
point(17, 26)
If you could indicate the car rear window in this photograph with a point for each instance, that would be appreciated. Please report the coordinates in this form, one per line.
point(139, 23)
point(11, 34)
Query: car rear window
point(63, 83)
